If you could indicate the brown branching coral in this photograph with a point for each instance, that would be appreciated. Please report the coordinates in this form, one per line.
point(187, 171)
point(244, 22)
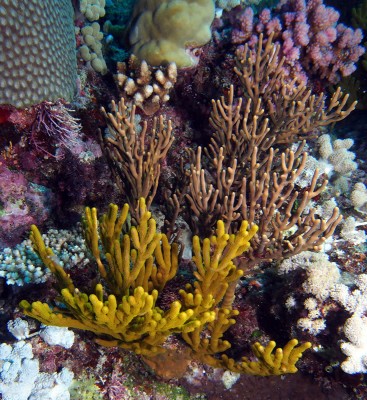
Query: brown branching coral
point(271, 200)
point(135, 157)
point(292, 111)
point(267, 198)
point(238, 131)
point(248, 176)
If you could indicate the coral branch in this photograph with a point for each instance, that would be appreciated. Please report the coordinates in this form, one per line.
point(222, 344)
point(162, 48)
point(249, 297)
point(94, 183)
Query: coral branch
point(135, 156)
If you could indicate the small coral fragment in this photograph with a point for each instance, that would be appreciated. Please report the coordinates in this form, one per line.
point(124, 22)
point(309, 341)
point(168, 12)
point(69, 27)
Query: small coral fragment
point(280, 362)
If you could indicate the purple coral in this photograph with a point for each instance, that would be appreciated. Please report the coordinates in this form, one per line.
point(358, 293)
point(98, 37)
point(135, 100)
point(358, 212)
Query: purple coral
point(310, 38)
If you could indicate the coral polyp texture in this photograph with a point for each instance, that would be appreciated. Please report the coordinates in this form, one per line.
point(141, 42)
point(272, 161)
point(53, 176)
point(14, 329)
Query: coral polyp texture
point(38, 59)
point(163, 29)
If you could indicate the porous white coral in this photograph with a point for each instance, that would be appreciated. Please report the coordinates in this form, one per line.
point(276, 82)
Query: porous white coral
point(20, 378)
point(340, 159)
point(305, 178)
point(325, 210)
point(355, 330)
point(56, 335)
point(229, 378)
point(18, 371)
point(322, 276)
point(350, 233)
point(290, 303)
point(314, 323)
point(355, 327)
point(337, 153)
point(18, 328)
point(354, 301)
point(325, 282)
point(358, 197)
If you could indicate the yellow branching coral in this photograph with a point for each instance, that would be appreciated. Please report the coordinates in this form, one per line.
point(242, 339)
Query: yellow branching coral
point(282, 361)
point(136, 262)
point(216, 276)
point(142, 257)
point(134, 323)
point(138, 265)
point(215, 269)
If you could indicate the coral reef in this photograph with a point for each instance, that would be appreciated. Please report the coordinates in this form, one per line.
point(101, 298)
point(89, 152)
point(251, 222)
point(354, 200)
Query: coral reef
point(243, 181)
point(135, 159)
point(93, 9)
point(22, 203)
point(54, 123)
point(91, 49)
point(337, 154)
point(358, 197)
point(253, 226)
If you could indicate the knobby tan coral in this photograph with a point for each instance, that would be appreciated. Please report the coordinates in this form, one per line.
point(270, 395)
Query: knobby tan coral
point(163, 30)
point(135, 156)
point(145, 86)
